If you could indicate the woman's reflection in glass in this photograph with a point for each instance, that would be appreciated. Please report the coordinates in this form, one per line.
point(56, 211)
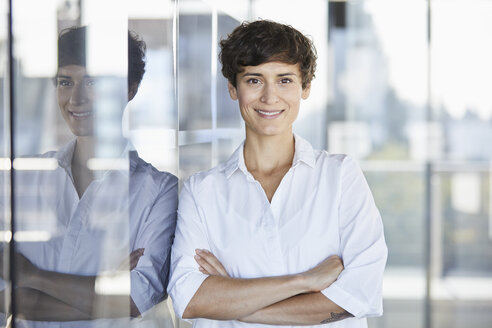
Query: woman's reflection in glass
point(99, 223)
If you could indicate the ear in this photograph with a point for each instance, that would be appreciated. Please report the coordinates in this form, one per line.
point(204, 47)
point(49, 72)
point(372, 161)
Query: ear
point(306, 91)
point(132, 91)
point(232, 91)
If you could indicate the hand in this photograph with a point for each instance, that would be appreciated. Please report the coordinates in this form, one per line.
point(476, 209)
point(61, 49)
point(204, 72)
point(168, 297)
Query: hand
point(324, 274)
point(131, 261)
point(209, 264)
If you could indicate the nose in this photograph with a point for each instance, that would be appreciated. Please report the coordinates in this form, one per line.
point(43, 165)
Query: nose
point(269, 95)
point(79, 94)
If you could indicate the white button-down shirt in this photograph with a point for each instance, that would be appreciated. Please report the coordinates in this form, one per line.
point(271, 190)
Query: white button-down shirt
point(118, 213)
point(322, 207)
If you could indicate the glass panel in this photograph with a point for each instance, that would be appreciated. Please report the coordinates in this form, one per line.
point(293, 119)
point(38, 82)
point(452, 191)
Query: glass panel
point(400, 199)
point(195, 73)
point(210, 126)
point(94, 219)
point(151, 117)
point(378, 115)
point(152, 121)
point(207, 115)
point(194, 158)
point(461, 73)
point(228, 115)
point(5, 166)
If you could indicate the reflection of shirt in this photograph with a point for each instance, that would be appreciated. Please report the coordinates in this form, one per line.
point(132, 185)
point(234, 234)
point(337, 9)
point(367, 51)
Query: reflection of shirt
point(323, 206)
point(119, 212)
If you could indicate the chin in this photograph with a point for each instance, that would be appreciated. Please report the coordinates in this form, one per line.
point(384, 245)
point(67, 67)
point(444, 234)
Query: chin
point(82, 133)
point(270, 133)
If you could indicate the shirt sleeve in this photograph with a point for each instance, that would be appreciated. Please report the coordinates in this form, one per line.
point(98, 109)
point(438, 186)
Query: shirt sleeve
point(190, 235)
point(150, 277)
point(363, 250)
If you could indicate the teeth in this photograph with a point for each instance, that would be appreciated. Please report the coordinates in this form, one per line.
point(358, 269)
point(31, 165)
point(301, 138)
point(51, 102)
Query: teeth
point(269, 113)
point(84, 114)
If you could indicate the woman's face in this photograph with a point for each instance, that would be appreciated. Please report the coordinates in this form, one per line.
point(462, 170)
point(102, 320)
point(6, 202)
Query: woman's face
point(269, 97)
point(75, 93)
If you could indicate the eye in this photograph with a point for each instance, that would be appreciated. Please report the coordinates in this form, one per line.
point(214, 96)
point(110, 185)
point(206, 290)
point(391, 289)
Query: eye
point(285, 81)
point(65, 83)
point(252, 81)
point(90, 82)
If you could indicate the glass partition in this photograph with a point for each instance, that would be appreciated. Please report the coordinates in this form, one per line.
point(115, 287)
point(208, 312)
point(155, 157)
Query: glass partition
point(5, 164)
point(461, 254)
point(95, 164)
point(210, 127)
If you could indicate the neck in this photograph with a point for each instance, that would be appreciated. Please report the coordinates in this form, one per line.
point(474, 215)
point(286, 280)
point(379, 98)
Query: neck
point(84, 150)
point(267, 153)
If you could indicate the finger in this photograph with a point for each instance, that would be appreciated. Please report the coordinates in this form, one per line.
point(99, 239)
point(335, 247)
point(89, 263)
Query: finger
point(212, 260)
point(131, 261)
point(206, 266)
point(208, 259)
point(137, 253)
point(202, 270)
point(135, 256)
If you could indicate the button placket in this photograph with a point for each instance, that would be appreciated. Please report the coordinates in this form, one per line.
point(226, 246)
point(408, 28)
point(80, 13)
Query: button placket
point(75, 225)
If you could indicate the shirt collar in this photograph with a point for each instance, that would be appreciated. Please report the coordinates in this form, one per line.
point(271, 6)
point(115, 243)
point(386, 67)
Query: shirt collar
point(303, 153)
point(235, 162)
point(64, 155)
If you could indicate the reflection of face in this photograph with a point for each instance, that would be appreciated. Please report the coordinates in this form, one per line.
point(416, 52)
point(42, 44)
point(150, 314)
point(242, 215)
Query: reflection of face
point(269, 97)
point(75, 93)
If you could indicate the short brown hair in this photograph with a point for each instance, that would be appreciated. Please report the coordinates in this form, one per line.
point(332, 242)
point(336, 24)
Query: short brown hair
point(262, 41)
point(72, 51)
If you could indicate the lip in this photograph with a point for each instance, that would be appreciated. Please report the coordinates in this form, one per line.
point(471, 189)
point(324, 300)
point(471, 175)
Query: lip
point(269, 114)
point(81, 115)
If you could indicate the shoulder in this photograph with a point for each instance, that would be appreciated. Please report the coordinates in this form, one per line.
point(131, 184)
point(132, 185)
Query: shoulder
point(327, 160)
point(48, 154)
point(203, 181)
point(199, 180)
point(336, 166)
point(145, 175)
point(324, 157)
point(321, 159)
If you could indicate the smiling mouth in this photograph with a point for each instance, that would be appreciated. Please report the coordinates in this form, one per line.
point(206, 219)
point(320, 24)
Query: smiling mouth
point(269, 113)
point(81, 115)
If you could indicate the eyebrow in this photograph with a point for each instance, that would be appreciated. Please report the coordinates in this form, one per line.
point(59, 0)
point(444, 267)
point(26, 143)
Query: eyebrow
point(58, 76)
point(259, 74)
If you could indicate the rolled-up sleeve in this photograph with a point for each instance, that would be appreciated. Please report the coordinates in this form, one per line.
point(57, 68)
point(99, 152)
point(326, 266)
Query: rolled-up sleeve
point(358, 289)
point(190, 235)
point(150, 277)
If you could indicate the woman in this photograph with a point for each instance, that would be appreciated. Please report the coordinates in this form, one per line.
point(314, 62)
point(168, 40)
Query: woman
point(260, 238)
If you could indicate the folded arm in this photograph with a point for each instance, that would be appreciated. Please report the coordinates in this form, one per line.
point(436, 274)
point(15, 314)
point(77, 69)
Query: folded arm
point(213, 294)
point(274, 300)
point(36, 306)
point(305, 309)
point(69, 291)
